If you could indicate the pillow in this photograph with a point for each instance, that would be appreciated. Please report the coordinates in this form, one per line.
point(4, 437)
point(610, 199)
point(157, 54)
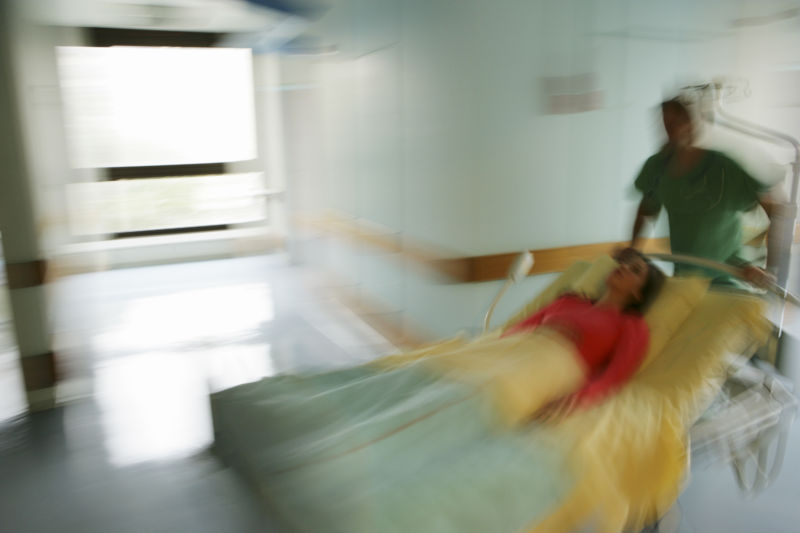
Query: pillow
point(689, 370)
point(673, 305)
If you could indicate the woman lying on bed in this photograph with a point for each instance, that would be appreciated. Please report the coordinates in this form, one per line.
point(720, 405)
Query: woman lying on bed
point(430, 440)
point(609, 337)
point(569, 354)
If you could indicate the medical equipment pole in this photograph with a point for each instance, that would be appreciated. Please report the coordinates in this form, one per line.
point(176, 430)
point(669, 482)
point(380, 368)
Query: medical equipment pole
point(786, 216)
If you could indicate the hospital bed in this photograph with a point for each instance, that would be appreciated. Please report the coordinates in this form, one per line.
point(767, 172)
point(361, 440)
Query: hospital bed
point(378, 476)
point(749, 421)
point(697, 394)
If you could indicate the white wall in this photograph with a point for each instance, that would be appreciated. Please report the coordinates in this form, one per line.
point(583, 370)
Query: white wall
point(42, 121)
point(430, 121)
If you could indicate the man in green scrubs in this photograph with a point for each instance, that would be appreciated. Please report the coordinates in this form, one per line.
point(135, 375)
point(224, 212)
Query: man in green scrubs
point(704, 193)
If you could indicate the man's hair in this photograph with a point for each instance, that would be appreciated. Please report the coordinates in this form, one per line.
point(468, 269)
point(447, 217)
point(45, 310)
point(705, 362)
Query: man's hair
point(678, 106)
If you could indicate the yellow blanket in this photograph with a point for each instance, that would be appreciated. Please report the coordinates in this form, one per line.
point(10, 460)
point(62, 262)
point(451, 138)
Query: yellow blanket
point(630, 453)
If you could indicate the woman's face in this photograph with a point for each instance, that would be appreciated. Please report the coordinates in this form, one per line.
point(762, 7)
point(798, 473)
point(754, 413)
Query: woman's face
point(630, 276)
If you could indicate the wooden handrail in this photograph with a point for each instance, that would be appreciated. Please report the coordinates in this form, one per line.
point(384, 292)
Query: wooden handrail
point(463, 269)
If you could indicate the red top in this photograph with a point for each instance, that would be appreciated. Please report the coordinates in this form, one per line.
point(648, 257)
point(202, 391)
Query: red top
point(611, 343)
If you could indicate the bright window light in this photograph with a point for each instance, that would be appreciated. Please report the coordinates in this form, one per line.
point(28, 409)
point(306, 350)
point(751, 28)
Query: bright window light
point(140, 106)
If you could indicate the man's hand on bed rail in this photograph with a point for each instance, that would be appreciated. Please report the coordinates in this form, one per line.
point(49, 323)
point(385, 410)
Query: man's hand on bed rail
point(757, 276)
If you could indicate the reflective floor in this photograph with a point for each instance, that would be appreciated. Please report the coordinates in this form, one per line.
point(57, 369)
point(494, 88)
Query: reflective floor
point(143, 348)
point(160, 339)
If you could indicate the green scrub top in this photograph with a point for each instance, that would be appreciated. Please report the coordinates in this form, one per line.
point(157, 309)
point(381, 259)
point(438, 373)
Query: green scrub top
point(703, 206)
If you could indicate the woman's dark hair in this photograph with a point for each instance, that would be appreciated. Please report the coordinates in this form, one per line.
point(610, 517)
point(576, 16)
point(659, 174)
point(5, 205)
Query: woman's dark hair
point(652, 284)
point(677, 106)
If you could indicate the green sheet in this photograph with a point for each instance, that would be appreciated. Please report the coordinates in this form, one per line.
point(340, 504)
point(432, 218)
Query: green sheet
point(364, 450)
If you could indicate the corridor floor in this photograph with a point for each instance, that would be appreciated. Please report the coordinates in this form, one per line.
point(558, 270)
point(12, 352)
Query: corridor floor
point(143, 347)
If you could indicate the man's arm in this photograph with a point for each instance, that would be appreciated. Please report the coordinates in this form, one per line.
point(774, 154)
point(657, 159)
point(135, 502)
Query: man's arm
point(756, 275)
point(768, 204)
point(747, 191)
point(643, 214)
point(647, 183)
point(753, 274)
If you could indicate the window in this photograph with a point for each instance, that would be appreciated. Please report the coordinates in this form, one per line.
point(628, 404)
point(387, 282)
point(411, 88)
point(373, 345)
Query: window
point(160, 122)
point(138, 106)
